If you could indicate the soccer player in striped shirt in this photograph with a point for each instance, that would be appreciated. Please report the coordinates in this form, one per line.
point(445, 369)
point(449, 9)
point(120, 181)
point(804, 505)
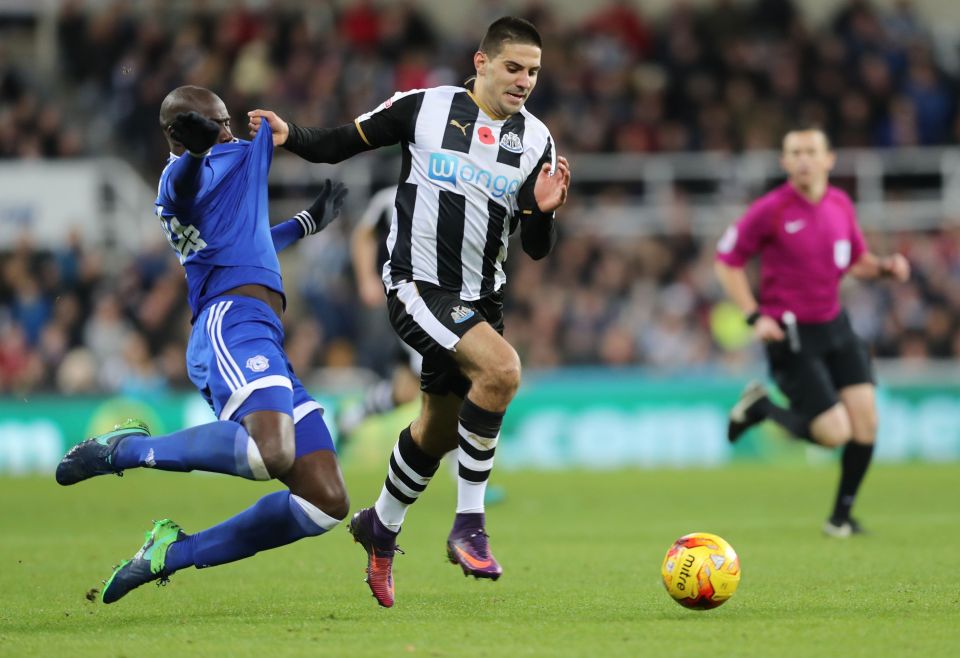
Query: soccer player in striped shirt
point(476, 166)
point(806, 235)
point(212, 206)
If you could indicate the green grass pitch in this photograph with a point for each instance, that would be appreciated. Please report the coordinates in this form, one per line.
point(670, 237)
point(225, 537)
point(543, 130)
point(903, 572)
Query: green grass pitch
point(581, 553)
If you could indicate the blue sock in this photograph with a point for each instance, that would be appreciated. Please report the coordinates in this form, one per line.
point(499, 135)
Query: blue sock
point(219, 447)
point(275, 520)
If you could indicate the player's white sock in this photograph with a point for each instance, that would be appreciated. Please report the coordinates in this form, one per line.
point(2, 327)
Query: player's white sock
point(409, 472)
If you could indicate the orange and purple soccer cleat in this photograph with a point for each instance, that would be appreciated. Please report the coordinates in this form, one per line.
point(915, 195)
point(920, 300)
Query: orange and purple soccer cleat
point(469, 547)
point(380, 545)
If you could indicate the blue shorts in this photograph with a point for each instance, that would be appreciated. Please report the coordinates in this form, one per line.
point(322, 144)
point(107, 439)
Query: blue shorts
point(235, 358)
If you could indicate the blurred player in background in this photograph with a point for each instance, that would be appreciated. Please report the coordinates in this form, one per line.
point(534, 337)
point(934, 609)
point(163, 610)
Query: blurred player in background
point(476, 166)
point(212, 205)
point(806, 235)
point(368, 252)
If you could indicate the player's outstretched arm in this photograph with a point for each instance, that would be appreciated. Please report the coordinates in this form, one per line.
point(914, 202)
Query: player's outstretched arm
point(871, 266)
point(329, 145)
point(197, 134)
point(324, 209)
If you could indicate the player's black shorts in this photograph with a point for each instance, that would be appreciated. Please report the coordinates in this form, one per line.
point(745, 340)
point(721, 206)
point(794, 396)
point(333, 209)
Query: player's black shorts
point(432, 320)
point(831, 357)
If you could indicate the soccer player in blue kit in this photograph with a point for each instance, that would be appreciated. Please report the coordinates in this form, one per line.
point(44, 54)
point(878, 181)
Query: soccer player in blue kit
point(212, 204)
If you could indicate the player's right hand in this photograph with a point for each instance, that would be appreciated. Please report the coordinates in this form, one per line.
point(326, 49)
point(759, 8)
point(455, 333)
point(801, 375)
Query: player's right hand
point(768, 329)
point(196, 132)
point(325, 208)
point(278, 126)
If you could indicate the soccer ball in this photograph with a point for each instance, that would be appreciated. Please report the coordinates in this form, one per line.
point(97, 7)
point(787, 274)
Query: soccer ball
point(701, 571)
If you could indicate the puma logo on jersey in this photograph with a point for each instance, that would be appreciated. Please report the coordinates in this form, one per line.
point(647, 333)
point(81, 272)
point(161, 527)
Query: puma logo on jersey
point(794, 226)
point(463, 128)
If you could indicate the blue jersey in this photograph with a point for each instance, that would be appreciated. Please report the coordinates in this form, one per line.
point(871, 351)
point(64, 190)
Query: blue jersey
point(222, 234)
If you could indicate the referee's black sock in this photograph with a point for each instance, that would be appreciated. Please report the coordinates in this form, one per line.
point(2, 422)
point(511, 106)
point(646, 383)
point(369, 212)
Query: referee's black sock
point(853, 466)
point(796, 424)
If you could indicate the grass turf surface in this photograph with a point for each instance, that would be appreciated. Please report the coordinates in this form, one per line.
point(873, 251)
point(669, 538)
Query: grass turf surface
point(581, 553)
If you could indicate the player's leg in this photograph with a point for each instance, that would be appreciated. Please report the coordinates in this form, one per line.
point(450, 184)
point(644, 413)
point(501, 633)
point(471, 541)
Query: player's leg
point(287, 428)
point(412, 464)
point(852, 373)
point(493, 369)
point(219, 447)
point(225, 335)
point(314, 503)
point(814, 414)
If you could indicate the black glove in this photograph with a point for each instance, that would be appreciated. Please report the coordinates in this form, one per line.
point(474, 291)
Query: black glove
point(324, 209)
point(195, 131)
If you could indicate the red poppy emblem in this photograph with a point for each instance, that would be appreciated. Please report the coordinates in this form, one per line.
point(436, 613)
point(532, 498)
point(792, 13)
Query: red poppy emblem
point(485, 135)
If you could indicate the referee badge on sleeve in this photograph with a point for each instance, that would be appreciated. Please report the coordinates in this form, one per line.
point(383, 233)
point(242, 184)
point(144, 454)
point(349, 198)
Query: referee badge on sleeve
point(841, 253)
point(728, 240)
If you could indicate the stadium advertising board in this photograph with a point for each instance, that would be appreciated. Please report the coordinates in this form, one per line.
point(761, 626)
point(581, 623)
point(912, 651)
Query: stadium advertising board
point(595, 422)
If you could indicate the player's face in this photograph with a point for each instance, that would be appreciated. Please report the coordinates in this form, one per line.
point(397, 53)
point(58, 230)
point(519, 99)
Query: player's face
point(215, 110)
point(509, 78)
point(807, 158)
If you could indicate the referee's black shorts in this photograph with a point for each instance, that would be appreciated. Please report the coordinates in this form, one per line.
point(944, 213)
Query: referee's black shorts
point(432, 320)
point(831, 357)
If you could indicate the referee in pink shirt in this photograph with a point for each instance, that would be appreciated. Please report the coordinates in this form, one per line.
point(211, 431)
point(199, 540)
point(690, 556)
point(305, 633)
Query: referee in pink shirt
point(806, 235)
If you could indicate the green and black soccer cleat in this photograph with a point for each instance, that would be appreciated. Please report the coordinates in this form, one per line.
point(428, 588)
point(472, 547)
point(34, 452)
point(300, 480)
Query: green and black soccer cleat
point(95, 456)
point(147, 565)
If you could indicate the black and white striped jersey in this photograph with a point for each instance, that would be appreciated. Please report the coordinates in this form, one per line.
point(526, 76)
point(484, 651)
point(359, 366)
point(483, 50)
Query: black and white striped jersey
point(466, 184)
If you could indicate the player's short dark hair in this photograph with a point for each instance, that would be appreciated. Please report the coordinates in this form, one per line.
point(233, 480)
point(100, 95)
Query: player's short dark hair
point(810, 126)
point(509, 29)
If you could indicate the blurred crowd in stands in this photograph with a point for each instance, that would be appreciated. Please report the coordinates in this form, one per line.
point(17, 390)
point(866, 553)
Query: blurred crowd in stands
point(730, 76)
point(69, 323)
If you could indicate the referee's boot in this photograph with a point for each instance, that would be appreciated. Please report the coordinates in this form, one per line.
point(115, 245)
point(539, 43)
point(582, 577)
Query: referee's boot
point(94, 456)
point(747, 411)
point(843, 528)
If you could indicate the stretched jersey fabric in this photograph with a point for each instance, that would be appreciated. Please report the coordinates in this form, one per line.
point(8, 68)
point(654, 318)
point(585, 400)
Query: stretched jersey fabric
point(805, 249)
point(464, 179)
point(222, 233)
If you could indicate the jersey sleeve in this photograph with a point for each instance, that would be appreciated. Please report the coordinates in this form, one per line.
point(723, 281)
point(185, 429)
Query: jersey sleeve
point(537, 232)
point(393, 121)
point(741, 241)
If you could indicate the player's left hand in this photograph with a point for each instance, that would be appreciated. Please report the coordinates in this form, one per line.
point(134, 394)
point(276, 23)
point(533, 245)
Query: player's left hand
point(324, 209)
point(898, 267)
point(551, 187)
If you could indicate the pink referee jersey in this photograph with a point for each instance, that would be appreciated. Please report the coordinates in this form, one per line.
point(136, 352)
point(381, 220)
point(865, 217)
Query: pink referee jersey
point(805, 249)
